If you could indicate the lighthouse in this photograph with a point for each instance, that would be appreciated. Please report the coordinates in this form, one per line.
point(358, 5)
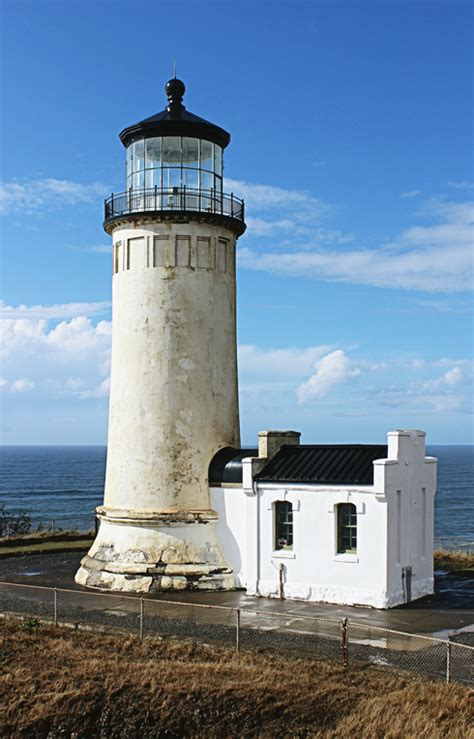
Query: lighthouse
point(173, 388)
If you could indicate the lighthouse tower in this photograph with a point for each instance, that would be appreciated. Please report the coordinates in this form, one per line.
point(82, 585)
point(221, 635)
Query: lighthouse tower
point(173, 393)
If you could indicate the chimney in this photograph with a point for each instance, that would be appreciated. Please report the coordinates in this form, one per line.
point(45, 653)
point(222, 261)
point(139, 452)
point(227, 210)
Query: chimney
point(270, 442)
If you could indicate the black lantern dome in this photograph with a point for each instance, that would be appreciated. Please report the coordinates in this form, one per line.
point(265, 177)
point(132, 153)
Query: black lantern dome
point(175, 165)
point(175, 120)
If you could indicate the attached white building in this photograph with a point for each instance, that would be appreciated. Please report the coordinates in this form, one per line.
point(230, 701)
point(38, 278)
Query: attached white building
point(349, 524)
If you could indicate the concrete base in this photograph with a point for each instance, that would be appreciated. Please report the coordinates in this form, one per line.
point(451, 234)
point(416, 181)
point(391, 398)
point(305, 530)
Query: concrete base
point(141, 551)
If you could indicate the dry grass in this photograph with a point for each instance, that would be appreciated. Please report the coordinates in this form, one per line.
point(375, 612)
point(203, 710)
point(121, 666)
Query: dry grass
point(45, 541)
point(61, 683)
point(40, 537)
point(453, 561)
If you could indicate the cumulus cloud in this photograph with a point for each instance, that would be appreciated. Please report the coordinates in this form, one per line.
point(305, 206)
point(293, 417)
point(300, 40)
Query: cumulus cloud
point(331, 370)
point(70, 356)
point(34, 195)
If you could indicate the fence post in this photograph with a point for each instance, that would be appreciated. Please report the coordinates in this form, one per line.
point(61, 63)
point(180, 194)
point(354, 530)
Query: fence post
point(141, 617)
point(237, 630)
point(448, 660)
point(344, 650)
point(52, 526)
point(55, 607)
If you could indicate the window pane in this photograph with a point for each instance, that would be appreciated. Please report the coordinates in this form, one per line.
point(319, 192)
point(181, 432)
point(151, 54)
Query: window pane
point(152, 177)
point(138, 155)
point(207, 181)
point(190, 152)
point(153, 152)
point(138, 180)
point(191, 178)
point(129, 160)
point(218, 160)
point(206, 155)
point(171, 150)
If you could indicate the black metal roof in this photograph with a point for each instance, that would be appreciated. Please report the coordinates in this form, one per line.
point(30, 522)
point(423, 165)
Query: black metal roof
point(324, 463)
point(175, 120)
point(226, 465)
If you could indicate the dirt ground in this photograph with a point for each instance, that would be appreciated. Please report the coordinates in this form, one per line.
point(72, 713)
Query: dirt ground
point(58, 682)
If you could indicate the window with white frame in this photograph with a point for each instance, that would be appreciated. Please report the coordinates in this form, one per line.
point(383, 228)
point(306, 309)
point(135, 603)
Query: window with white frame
point(346, 528)
point(283, 511)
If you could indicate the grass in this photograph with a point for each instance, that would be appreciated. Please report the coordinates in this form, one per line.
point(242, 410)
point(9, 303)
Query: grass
point(57, 682)
point(454, 561)
point(48, 546)
point(39, 542)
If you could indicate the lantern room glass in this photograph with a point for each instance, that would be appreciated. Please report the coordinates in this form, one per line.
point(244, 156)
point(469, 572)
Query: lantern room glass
point(169, 162)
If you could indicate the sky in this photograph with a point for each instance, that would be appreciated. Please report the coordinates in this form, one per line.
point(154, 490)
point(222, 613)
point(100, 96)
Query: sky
point(351, 127)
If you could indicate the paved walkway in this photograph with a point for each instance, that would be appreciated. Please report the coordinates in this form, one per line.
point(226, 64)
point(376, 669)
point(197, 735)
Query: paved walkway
point(449, 611)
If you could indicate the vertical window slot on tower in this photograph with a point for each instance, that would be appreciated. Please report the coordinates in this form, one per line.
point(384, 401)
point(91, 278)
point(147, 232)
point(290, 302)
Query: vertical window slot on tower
point(183, 248)
point(159, 247)
point(222, 255)
point(117, 255)
point(203, 252)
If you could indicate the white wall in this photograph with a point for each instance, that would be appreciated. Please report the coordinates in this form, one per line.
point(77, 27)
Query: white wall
point(409, 487)
point(314, 570)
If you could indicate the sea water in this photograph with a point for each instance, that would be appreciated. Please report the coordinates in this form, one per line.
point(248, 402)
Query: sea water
point(64, 484)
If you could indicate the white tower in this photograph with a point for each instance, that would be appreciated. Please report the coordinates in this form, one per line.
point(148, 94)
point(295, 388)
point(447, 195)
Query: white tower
point(173, 394)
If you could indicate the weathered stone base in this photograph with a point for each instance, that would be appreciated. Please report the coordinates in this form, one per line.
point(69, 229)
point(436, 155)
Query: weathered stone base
point(145, 552)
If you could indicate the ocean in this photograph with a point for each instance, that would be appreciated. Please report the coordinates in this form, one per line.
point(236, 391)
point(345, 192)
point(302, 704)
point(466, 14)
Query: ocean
point(64, 484)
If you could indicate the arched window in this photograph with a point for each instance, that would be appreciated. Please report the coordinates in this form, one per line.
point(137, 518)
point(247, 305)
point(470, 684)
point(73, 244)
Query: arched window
point(346, 528)
point(283, 525)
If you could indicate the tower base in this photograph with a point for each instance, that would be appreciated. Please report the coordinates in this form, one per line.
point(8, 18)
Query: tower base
point(144, 552)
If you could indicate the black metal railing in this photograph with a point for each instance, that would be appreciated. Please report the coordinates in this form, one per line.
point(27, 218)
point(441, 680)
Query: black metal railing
point(174, 199)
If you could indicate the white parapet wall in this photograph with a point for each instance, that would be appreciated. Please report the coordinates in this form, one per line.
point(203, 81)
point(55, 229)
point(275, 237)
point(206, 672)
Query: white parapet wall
point(393, 561)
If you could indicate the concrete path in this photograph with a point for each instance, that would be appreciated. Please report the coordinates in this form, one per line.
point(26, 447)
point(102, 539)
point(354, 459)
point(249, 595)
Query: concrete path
point(449, 612)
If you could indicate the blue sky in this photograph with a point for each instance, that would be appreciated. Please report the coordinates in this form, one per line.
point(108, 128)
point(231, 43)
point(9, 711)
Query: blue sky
point(351, 142)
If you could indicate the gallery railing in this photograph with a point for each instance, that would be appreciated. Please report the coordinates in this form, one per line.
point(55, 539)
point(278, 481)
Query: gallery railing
point(173, 199)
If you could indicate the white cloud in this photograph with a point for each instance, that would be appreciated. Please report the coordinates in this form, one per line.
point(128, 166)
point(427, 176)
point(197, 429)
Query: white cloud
point(331, 370)
point(280, 213)
point(35, 195)
point(272, 363)
point(453, 376)
point(462, 185)
point(430, 258)
point(51, 312)
point(101, 249)
point(260, 197)
point(3, 382)
point(72, 356)
point(102, 391)
point(22, 386)
point(410, 194)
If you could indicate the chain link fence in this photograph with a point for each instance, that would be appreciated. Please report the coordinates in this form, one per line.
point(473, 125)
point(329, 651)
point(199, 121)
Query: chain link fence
point(293, 635)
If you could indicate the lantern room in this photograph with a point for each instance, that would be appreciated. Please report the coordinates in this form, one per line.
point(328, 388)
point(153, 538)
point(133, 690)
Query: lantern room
point(174, 162)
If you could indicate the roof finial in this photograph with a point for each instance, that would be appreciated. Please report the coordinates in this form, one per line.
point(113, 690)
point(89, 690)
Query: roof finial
point(175, 90)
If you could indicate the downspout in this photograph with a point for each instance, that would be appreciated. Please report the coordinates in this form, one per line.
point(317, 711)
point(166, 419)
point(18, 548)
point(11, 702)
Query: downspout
point(281, 570)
